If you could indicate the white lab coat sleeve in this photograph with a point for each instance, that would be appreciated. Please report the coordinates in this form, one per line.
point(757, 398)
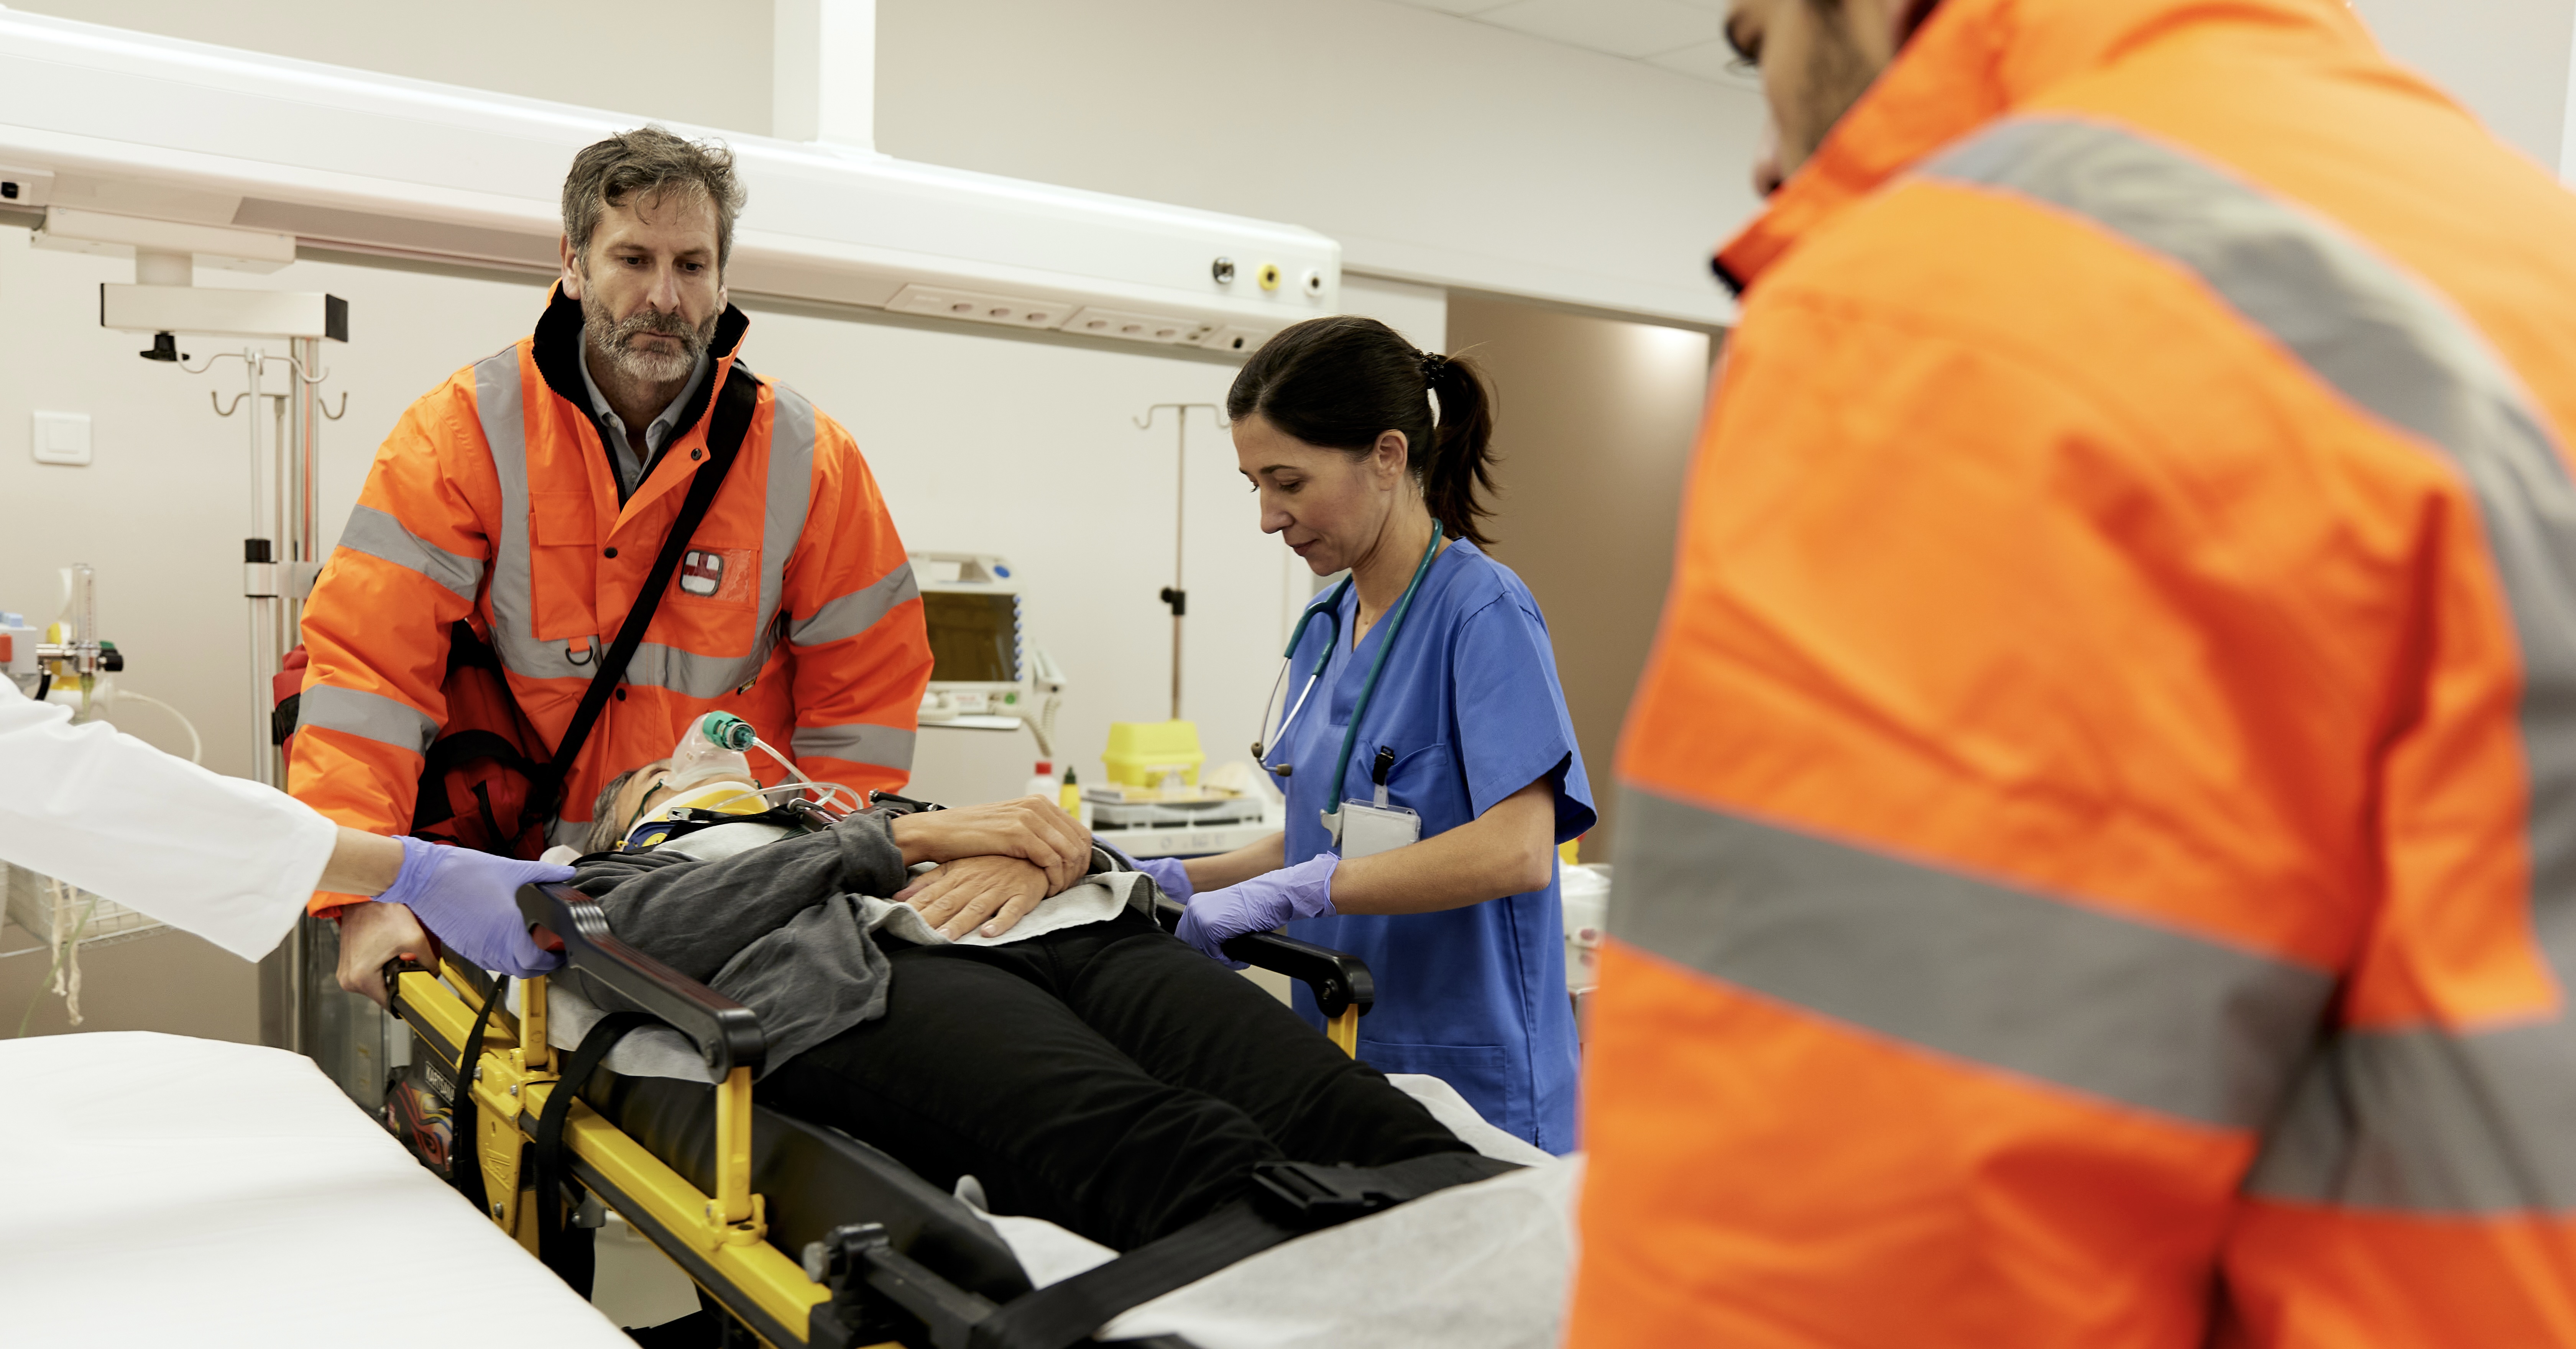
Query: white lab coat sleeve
point(227, 859)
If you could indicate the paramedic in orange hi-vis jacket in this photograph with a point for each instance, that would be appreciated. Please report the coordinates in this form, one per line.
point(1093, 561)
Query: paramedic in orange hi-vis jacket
point(2099, 857)
point(528, 496)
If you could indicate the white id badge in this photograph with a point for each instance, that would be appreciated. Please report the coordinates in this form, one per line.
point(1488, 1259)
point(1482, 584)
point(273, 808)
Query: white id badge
point(1368, 829)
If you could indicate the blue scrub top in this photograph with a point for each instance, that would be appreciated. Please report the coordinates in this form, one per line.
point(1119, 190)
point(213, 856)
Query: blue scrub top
point(1470, 703)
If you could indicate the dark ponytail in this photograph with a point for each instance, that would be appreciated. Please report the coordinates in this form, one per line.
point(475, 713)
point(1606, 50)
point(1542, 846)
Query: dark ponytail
point(1342, 382)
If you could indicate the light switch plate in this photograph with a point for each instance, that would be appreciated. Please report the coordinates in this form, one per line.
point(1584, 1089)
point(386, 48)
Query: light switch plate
point(61, 437)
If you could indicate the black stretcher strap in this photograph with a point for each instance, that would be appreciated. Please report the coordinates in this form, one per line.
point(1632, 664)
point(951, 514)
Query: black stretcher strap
point(465, 1152)
point(1290, 1199)
point(545, 1163)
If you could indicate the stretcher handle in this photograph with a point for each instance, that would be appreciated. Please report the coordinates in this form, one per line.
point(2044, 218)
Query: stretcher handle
point(726, 1033)
point(1339, 982)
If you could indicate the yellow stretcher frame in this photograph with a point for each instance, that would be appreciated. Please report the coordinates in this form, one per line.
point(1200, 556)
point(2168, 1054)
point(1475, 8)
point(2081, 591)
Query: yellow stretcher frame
point(719, 1240)
point(723, 1233)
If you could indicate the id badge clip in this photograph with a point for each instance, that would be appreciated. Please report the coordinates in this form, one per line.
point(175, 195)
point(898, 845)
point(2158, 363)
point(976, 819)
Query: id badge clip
point(1366, 828)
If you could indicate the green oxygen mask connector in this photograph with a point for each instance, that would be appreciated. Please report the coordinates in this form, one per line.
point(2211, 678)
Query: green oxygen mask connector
point(711, 751)
point(726, 731)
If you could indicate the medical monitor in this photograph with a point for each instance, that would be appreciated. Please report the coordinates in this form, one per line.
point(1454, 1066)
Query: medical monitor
point(974, 639)
point(978, 662)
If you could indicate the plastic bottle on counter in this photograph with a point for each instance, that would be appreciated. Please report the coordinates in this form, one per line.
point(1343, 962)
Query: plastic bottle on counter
point(1043, 783)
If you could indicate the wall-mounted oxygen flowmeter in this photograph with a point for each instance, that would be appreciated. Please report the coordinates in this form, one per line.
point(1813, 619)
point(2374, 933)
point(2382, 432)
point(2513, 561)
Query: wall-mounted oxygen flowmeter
point(68, 654)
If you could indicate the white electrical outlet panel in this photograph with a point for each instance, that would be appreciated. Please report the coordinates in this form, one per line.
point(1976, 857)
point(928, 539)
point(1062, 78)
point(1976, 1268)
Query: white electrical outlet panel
point(61, 437)
point(1097, 322)
point(978, 307)
point(1236, 341)
point(25, 187)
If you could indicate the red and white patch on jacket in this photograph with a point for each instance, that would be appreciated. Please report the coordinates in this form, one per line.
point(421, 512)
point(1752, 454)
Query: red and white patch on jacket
point(702, 572)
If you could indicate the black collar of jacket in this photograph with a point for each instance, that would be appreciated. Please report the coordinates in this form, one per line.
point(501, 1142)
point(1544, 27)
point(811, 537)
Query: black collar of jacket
point(558, 352)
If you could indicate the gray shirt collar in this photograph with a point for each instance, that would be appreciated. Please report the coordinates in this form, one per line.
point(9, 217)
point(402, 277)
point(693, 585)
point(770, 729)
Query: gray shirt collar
point(656, 436)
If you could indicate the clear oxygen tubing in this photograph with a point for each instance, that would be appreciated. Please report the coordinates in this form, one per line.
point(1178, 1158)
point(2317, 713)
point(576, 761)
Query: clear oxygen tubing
point(196, 743)
point(712, 749)
point(825, 790)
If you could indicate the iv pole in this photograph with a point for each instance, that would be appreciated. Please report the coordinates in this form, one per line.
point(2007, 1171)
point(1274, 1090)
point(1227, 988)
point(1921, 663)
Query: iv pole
point(1173, 594)
point(282, 501)
point(163, 302)
point(282, 524)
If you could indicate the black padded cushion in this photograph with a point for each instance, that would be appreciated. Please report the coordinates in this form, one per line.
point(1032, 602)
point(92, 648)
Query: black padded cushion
point(814, 1178)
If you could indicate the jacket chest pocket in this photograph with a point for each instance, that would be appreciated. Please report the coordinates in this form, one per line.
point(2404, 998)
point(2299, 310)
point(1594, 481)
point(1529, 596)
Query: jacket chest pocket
point(563, 564)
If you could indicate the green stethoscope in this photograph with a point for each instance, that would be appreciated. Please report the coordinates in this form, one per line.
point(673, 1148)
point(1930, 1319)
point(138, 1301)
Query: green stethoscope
point(1329, 609)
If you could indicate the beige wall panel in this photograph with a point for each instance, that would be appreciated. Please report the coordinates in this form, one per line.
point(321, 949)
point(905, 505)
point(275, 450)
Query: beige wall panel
point(1597, 419)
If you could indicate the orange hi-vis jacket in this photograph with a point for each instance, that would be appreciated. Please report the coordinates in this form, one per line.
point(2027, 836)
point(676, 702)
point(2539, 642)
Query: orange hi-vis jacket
point(2099, 861)
point(494, 501)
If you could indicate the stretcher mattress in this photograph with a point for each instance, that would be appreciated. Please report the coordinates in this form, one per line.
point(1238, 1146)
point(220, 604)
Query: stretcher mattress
point(1481, 1266)
point(159, 1190)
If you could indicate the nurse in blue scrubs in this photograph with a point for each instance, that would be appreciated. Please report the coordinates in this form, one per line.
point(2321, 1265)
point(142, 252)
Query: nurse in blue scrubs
point(1429, 763)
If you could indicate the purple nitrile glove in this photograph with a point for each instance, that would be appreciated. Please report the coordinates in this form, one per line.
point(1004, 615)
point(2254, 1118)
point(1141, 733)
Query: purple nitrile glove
point(1169, 876)
point(1258, 905)
point(468, 899)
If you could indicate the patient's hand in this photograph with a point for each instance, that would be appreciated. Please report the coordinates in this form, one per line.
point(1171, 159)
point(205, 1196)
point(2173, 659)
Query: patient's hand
point(1030, 828)
point(370, 935)
point(995, 891)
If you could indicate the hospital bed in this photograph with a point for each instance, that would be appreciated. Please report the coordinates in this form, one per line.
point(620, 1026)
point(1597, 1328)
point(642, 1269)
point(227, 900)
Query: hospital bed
point(160, 1190)
point(801, 1235)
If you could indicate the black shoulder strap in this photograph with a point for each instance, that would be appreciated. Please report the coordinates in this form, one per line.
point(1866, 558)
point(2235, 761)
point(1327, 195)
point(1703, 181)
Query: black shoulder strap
point(1290, 1199)
point(725, 432)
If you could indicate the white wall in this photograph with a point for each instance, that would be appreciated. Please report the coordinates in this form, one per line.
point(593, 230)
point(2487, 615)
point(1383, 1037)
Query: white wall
point(1434, 148)
point(164, 509)
point(623, 56)
point(2507, 60)
point(981, 443)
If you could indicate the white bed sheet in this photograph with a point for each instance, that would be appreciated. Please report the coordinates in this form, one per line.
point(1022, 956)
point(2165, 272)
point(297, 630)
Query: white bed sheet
point(1481, 1266)
point(160, 1190)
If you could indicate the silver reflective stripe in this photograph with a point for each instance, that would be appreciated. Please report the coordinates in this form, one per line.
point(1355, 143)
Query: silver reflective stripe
point(2421, 1120)
point(379, 535)
point(856, 612)
point(690, 674)
point(2115, 1007)
point(574, 834)
point(858, 742)
point(501, 405)
point(2430, 1122)
point(369, 716)
point(791, 494)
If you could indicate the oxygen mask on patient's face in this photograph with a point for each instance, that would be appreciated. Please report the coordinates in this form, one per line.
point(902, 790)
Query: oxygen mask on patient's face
point(708, 772)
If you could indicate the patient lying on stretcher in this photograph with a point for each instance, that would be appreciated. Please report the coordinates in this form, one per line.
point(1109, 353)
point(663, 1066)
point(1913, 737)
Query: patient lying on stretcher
point(1083, 1065)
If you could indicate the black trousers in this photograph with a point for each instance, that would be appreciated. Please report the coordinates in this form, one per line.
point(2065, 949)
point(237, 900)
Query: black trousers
point(1106, 1078)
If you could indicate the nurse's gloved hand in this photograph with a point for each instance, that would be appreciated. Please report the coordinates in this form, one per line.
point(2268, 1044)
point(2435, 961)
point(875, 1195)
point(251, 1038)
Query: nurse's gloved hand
point(1169, 876)
point(1258, 905)
point(469, 900)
